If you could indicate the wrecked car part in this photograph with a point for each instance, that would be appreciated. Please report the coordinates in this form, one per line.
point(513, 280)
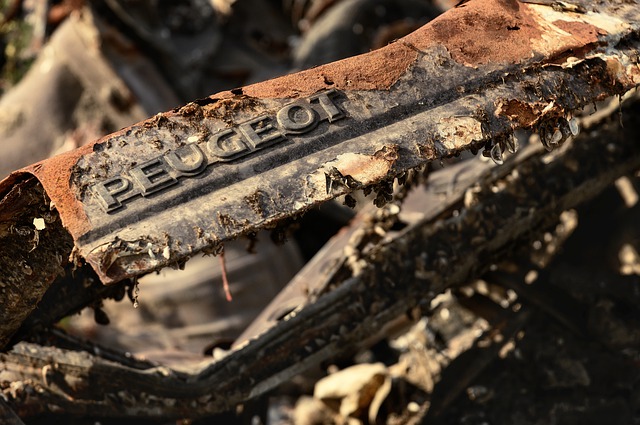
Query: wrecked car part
point(248, 158)
point(403, 272)
point(156, 193)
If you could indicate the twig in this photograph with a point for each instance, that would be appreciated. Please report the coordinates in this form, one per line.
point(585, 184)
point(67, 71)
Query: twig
point(225, 281)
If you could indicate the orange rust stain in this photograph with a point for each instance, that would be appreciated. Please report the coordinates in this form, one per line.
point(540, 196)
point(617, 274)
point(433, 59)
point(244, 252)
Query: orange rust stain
point(475, 33)
point(377, 70)
point(55, 176)
point(478, 32)
point(484, 31)
point(581, 31)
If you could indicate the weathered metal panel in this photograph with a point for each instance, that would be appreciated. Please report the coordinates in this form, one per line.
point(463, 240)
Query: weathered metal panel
point(184, 181)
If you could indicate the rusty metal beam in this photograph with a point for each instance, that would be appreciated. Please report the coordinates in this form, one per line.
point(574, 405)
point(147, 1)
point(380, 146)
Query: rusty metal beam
point(154, 194)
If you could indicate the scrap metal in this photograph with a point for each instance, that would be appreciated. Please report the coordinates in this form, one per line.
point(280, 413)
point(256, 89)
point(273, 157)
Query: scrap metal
point(248, 158)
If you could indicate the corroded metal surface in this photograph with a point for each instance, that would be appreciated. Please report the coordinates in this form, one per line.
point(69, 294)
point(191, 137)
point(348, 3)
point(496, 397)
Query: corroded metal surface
point(187, 180)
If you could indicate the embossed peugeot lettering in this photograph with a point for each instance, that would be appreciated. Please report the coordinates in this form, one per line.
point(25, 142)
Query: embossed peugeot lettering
point(226, 145)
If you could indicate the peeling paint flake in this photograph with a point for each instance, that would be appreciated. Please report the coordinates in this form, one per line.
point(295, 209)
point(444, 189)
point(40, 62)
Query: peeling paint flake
point(364, 169)
point(565, 31)
point(458, 132)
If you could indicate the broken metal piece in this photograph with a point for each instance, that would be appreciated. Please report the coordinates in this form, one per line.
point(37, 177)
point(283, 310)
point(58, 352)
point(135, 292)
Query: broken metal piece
point(184, 181)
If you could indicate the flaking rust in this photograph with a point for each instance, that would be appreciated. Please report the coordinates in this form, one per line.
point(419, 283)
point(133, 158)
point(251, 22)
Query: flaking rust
point(187, 180)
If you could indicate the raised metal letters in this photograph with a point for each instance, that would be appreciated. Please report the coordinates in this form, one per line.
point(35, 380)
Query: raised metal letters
point(226, 145)
point(188, 159)
point(152, 176)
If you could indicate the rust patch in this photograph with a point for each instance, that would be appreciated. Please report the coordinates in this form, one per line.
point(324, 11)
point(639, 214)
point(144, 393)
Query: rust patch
point(481, 31)
point(55, 176)
point(475, 33)
point(584, 33)
point(377, 70)
point(484, 31)
point(508, 31)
